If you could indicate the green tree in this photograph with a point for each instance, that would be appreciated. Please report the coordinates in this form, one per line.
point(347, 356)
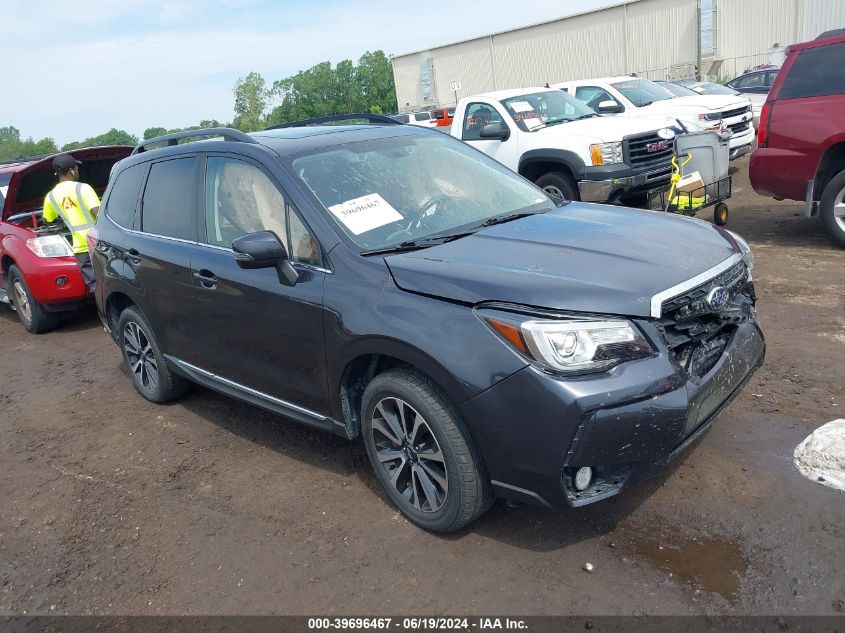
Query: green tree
point(112, 137)
point(251, 100)
point(151, 132)
point(12, 147)
point(322, 90)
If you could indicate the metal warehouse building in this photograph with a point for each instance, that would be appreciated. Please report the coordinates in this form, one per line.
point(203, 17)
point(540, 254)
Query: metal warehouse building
point(657, 39)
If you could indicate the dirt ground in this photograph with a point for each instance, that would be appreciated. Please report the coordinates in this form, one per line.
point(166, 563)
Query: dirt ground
point(112, 505)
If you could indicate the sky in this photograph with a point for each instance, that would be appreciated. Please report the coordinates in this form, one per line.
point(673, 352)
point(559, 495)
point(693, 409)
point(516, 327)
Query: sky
point(72, 70)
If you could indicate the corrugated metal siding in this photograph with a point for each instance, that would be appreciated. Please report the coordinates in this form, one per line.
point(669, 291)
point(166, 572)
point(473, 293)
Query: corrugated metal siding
point(660, 34)
point(560, 50)
point(747, 29)
point(648, 37)
point(821, 16)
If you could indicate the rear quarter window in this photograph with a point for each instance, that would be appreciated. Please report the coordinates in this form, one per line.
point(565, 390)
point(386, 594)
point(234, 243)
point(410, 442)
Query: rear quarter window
point(817, 72)
point(170, 196)
point(123, 198)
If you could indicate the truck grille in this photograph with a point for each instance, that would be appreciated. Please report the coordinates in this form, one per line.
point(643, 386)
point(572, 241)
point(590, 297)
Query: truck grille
point(646, 151)
point(729, 114)
point(739, 128)
point(697, 334)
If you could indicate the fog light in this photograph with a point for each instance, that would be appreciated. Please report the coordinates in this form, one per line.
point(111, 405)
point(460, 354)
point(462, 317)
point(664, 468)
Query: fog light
point(61, 281)
point(582, 478)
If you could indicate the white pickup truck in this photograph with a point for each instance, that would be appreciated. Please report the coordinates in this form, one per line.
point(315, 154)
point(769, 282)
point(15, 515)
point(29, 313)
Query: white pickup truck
point(557, 142)
point(638, 97)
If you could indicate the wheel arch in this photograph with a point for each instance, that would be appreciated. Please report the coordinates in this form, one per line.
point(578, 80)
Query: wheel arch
point(535, 163)
point(831, 163)
point(116, 303)
point(372, 357)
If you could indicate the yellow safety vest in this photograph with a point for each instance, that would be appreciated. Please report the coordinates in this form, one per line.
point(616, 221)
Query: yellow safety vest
point(72, 202)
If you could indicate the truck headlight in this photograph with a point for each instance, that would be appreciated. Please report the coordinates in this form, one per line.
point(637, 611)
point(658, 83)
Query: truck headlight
point(49, 246)
point(744, 249)
point(606, 153)
point(710, 116)
point(572, 345)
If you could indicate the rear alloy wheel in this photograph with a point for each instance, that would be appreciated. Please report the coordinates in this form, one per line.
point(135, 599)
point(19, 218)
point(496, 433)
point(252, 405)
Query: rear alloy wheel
point(34, 317)
point(149, 371)
point(421, 452)
point(832, 209)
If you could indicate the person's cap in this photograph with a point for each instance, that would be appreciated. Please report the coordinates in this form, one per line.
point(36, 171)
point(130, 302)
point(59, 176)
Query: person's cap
point(63, 162)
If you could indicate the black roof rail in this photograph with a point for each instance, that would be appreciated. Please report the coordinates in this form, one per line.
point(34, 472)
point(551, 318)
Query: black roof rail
point(369, 118)
point(228, 134)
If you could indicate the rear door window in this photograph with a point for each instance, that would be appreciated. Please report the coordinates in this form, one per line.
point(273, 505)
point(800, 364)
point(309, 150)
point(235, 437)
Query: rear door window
point(123, 198)
point(403, 118)
point(817, 72)
point(168, 208)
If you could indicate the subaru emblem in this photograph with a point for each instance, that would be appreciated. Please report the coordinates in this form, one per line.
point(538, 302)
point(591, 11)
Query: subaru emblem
point(717, 298)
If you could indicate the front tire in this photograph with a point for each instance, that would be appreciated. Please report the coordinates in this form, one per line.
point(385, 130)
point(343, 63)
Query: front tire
point(421, 452)
point(832, 209)
point(558, 184)
point(150, 374)
point(34, 317)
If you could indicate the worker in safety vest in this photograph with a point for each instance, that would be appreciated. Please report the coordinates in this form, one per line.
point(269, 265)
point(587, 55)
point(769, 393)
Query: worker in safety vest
point(76, 203)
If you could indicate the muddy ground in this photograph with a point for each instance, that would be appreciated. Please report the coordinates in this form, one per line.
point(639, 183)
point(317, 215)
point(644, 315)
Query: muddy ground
point(110, 504)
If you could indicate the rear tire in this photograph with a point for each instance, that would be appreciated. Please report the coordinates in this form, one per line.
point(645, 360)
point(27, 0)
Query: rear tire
point(422, 453)
point(150, 374)
point(832, 208)
point(34, 317)
point(558, 184)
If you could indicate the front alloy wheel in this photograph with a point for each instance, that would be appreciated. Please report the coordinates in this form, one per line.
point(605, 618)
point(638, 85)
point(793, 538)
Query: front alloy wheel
point(409, 454)
point(421, 451)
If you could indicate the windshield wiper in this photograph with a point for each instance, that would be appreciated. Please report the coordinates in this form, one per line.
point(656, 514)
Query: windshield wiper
point(423, 242)
point(586, 116)
point(511, 216)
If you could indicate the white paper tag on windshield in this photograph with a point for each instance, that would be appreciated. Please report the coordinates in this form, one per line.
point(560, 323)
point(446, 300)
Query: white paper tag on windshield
point(521, 106)
point(3, 190)
point(366, 213)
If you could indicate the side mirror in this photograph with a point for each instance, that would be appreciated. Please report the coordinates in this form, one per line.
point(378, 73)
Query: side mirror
point(610, 107)
point(264, 250)
point(495, 131)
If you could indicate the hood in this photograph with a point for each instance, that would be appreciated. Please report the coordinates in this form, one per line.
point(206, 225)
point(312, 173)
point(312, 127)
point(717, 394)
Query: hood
point(581, 258)
point(601, 129)
point(700, 103)
point(30, 184)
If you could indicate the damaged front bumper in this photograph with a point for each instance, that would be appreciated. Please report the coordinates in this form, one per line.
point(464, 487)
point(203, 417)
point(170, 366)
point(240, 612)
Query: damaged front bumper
point(539, 429)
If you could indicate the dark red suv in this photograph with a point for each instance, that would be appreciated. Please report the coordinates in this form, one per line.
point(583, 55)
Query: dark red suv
point(801, 153)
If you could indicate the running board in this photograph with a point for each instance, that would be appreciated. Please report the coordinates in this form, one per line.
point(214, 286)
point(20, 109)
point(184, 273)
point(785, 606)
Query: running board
point(258, 398)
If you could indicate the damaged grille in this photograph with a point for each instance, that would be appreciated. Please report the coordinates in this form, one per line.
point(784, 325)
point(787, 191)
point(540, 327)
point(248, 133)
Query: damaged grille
point(696, 333)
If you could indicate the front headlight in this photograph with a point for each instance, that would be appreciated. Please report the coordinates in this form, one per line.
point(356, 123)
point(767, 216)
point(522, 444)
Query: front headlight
point(710, 116)
point(606, 153)
point(571, 346)
point(744, 249)
point(49, 246)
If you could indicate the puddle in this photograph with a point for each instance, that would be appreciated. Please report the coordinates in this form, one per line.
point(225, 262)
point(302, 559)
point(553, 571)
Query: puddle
point(707, 564)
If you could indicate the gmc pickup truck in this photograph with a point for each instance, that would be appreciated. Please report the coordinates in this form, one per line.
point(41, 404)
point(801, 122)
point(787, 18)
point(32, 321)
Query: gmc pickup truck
point(565, 148)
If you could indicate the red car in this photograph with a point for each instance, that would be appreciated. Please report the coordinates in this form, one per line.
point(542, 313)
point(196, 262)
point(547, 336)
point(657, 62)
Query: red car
point(801, 153)
point(39, 276)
